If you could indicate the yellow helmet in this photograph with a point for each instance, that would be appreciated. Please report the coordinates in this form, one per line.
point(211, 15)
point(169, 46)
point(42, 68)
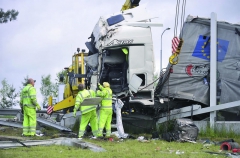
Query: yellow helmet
point(106, 84)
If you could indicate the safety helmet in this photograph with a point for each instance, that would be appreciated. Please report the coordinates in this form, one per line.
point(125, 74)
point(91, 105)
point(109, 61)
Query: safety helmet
point(106, 84)
point(81, 87)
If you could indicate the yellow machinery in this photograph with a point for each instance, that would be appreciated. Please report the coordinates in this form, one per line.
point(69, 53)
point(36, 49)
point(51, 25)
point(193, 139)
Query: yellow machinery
point(75, 76)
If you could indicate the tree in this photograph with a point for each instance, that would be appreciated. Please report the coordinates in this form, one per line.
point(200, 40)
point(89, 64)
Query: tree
point(24, 83)
point(48, 88)
point(8, 95)
point(64, 73)
point(8, 15)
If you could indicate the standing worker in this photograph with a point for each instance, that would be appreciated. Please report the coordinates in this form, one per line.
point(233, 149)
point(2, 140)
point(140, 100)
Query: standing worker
point(88, 113)
point(106, 109)
point(28, 104)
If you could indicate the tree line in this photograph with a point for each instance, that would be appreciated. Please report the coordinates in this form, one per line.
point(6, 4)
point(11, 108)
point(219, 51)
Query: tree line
point(10, 97)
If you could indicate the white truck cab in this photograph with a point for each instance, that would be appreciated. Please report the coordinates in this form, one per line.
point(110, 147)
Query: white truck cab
point(123, 47)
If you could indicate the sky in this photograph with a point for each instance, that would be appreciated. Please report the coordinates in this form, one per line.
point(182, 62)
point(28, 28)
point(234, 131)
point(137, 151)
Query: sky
point(48, 32)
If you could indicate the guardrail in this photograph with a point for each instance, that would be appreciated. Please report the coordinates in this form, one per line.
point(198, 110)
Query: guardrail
point(16, 111)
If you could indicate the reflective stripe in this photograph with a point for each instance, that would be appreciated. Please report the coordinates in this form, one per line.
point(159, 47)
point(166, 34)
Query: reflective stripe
point(107, 99)
point(80, 133)
point(107, 107)
point(108, 133)
point(89, 109)
point(95, 132)
point(81, 96)
point(109, 92)
point(90, 93)
point(29, 105)
point(29, 96)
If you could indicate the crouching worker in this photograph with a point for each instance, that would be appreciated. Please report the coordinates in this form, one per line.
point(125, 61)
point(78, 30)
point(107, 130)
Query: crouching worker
point(105, 114)
point(88, 113)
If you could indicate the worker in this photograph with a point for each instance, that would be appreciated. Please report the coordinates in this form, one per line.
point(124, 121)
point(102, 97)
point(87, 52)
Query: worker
point(28, 104)
point(88, 112)
point(105, 113)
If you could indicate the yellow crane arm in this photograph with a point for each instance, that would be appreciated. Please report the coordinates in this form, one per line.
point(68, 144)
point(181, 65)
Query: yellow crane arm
point(130, 4)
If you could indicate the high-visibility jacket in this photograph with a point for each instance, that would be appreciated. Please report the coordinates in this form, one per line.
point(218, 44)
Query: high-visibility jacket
point(106, 94)
point(79, 99)
point(28, 97)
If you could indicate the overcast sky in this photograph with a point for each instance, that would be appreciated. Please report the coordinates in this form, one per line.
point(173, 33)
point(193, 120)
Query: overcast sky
point(47, 32)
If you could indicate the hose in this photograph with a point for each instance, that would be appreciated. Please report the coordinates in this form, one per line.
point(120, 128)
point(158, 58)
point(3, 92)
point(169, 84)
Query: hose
point(229, 146)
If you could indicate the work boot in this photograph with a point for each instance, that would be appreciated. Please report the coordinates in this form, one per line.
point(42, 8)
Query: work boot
point(80, 138)
point(23, 135)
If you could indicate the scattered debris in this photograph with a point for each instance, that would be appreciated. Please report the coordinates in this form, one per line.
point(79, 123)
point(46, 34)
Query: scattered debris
point(13, 143)
point(142, 139)
point(184, 131)
point(178, 152)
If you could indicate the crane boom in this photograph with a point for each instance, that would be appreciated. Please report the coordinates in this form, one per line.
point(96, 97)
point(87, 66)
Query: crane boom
point(130, 4)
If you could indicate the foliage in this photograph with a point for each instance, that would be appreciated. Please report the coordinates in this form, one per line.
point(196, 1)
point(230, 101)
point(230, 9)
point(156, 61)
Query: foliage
point(218, 131)
point(7, 95)
point(48, 88)
point(8, 15)
point(24, 83)
point(64, 73)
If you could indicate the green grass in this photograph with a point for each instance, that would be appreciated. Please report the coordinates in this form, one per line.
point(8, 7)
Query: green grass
point(128, 148)
point(115, 149)
point(220, 132)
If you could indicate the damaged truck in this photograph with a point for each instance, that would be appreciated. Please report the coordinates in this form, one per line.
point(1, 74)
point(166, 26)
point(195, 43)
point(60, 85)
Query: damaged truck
point(120, 51)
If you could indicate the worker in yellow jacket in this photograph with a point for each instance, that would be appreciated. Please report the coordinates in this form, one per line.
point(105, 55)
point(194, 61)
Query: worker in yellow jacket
point(105, 114)
point(28, 104)
point(88, 113)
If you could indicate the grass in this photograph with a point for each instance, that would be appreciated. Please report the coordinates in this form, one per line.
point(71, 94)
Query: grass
point(117, 149)
point(220, 132)
point(127, 148)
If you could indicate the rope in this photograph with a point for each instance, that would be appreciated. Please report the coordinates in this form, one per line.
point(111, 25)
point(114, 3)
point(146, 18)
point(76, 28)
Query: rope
point(182, 16)
point(176, 18)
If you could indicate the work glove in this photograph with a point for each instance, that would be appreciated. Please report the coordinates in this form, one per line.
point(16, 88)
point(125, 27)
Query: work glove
point(38, 107)
point(74, 113)
point(98, 91)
